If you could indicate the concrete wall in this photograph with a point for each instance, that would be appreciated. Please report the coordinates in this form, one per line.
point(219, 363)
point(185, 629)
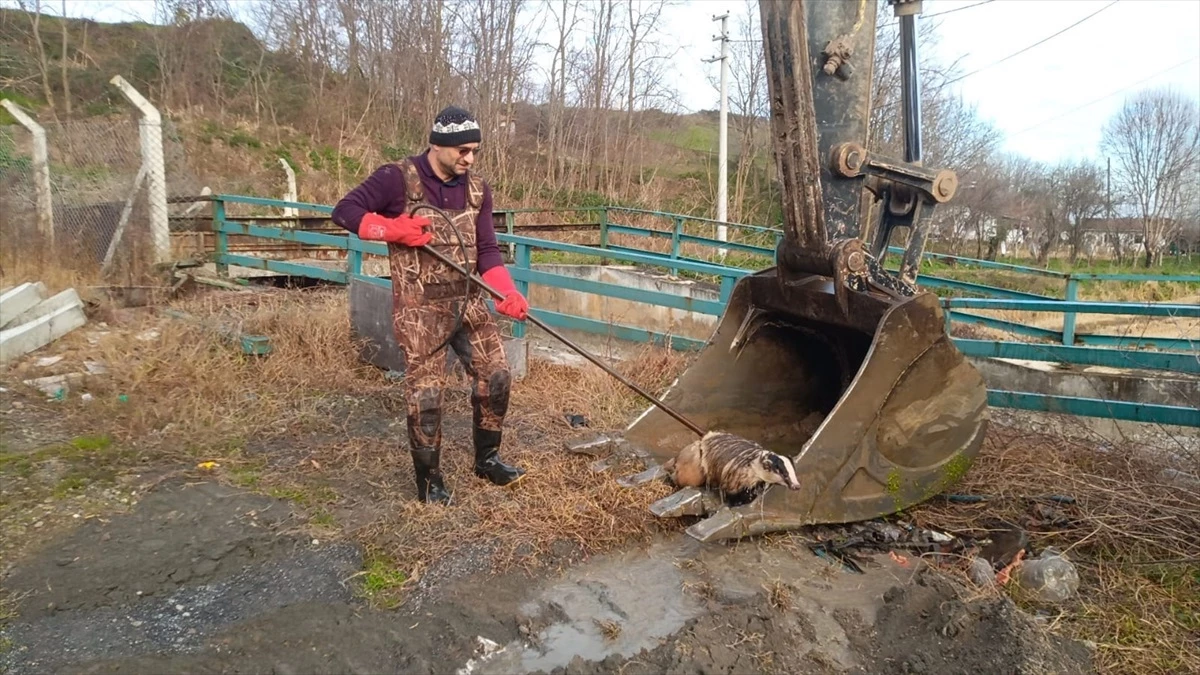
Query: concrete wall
point(1114, 384)
point(641, 315)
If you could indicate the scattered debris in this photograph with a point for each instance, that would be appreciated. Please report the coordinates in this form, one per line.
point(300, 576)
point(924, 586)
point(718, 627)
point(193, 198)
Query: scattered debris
point(981, 573)
point(1006, 544)
point(484, 650)
point(254, 345)
point(1003, 575)
point(57, 386)
point(1049, 578)
point(594, 445)
point(883, 537)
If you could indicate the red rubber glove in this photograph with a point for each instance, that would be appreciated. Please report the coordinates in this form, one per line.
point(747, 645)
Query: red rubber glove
point(513, 305)
point(405, 229)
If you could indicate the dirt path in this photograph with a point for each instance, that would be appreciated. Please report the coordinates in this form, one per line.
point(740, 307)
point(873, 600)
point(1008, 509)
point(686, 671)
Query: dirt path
point(202, 577)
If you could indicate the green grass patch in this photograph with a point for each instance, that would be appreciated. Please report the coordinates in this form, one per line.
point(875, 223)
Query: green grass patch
point(695, 136)
point(381, 581)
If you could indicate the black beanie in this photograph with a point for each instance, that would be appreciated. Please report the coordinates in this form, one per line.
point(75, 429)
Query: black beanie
point(454, 126)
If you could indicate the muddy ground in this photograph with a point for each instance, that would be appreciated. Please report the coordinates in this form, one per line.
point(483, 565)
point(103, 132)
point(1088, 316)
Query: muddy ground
point(194, 575)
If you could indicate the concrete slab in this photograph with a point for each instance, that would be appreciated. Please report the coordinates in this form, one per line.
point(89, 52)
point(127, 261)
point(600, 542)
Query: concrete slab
point(19, 300)
point(20, 340)
point(48, 306)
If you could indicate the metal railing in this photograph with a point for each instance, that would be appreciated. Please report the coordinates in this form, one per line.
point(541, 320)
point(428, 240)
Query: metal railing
point(1173, 355)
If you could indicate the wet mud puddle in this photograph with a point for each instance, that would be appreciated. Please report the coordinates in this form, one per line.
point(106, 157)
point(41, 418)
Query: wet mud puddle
point(616, 606)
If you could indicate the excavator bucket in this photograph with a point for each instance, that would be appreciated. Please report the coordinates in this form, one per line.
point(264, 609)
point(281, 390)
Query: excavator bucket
point(878, 409)
point(829, 358)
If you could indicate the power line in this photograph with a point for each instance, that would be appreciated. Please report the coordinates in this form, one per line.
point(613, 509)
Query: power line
point(1044, 40)
point(1108, 95)
point(1039, 42)
point(956, 9)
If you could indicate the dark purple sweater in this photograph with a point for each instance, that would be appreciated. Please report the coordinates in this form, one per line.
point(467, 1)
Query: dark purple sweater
point(383, 192)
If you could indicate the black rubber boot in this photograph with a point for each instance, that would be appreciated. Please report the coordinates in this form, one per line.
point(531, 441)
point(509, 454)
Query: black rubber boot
point(487, 459)
point(429, 477)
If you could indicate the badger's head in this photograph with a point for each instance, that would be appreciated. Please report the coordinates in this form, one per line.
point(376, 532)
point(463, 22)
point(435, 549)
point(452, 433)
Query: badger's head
point(777, 469)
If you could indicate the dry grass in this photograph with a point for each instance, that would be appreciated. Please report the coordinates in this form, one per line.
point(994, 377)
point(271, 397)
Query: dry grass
point(174, 382)
point(561, 508)
point(191, 395)
point(1134, 537)
point(23, 264)
point(779, 595)
point(180, 393)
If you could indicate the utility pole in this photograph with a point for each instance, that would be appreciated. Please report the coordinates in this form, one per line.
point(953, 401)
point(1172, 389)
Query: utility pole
point(1108, 189)
point(723, 133)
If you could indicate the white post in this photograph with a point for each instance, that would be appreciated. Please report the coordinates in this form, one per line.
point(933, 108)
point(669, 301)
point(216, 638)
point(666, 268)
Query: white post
point(723, 153)
point(150, 132)
point(291, 195)
point(41, 170)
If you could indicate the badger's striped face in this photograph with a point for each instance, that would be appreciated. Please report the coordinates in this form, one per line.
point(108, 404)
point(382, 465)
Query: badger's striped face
point(777, 469)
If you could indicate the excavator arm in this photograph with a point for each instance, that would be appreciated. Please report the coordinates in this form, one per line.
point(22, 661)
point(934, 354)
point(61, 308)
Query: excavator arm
point(828, 357)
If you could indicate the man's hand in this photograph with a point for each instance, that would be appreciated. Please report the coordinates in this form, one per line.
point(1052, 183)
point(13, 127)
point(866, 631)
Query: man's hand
point(514, 304)
point(404, 229)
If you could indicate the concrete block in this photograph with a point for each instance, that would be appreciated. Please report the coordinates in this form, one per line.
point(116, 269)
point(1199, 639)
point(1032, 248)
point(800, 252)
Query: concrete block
point(48, 306)
point(20, 300)
point(20, 340)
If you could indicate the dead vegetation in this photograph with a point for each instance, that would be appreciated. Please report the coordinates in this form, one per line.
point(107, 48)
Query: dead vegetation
point(312, 424)
point(1133, 531)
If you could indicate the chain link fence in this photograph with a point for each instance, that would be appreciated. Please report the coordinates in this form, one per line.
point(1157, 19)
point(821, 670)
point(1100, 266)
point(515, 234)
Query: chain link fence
point(92, 195)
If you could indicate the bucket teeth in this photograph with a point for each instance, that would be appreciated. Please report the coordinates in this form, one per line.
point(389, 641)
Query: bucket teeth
point(652, 474)
point(743, 521)
point(740, 337)
point(687, 502)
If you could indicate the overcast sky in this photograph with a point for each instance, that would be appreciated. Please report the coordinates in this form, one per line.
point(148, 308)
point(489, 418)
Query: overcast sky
point(1050, 101)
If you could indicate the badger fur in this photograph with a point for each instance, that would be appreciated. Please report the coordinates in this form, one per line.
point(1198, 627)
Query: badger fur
point(738, 467)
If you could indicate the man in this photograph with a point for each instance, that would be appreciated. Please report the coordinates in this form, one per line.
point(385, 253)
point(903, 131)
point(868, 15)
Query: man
point(428, 311)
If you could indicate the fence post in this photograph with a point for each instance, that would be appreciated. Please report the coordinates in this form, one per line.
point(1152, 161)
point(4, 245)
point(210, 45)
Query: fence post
point(354, 257)
point(292, 195)
point(41, 170)
point(221, 246)
point(509, 218)
point(727, 284)
point(150, 134)
point(1068, 332)
point(523, 261)
point(675, 231)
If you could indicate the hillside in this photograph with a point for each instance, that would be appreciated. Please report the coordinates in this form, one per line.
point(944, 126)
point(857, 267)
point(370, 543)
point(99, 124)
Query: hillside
point(234, 107)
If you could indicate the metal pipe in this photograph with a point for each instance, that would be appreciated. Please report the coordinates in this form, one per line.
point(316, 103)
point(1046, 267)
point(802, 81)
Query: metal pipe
point(910, 88)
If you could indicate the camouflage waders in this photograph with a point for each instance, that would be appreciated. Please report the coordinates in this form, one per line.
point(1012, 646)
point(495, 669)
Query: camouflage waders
point(427, 299)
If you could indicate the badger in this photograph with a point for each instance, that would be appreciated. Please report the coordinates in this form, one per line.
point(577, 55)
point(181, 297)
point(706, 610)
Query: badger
point(738, 467)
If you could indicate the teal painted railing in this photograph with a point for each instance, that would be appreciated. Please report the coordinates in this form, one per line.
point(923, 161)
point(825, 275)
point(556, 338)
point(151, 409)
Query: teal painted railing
point(1170, 355)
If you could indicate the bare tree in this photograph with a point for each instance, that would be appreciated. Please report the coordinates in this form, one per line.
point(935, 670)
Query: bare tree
point(43, 63)
point(567, 17)
point(1080, 187)
point(747, 104)
point(1155, 142)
